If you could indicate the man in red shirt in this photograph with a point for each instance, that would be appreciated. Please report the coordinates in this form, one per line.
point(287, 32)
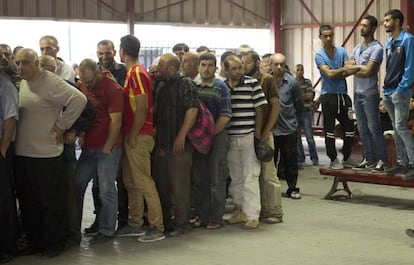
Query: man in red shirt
point(138, 144)
point(101, 148)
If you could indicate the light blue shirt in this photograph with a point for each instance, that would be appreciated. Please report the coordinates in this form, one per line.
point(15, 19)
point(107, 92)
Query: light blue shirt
point(362, 55)
point(8, 101)
point(332, 86)
point(291, 102)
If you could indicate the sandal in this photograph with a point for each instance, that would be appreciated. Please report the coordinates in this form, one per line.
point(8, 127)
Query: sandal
point(295, 195)
point(213, 226)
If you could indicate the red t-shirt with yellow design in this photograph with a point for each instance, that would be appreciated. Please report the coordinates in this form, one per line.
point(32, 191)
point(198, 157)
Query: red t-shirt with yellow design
point(137, 82)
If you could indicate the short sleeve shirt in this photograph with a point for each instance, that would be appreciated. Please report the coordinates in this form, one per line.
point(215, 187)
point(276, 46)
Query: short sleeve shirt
point(107, 98)
point(362, 55)
point(137, 82)
point(332, 86)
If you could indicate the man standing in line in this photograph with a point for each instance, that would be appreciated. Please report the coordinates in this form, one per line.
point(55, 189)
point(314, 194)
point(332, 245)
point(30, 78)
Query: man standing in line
point(101, 149)
point(105, 51)
point(175, 112)
point(336, 104)
point(8, 119)
point(398, 81)
point(291, 105)
point(40, 185)
point(270, 187)
point(247, 100)
point(211, 169)
point(138, 144)
point(368, 57)
point(306, 118)
point(49, 46)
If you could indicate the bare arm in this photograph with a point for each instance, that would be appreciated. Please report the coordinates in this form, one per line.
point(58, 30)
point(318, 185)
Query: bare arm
point(9, 126)
point(139, 118)
point(367, 70)
point(189, 120)
point(271, 121)
point(340, 73)
point(114, 130)
point(221, 123)
point(259, 122)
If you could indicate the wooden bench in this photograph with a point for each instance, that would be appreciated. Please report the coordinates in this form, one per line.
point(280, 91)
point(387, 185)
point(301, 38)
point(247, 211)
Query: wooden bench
point(345, 175)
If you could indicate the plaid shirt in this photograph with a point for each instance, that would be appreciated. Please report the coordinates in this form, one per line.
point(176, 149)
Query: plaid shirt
point(172, 101)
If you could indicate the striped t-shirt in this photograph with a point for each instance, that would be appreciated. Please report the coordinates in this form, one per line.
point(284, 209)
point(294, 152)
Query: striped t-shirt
point(245, 98)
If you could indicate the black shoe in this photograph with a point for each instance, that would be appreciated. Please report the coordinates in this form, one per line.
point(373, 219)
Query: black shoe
point(410, 232)
point(51, 253)
point(4, 258)
point(397, 169)
point(93, 229)
point(100, 238)
point(409, 174)
point(178, 231)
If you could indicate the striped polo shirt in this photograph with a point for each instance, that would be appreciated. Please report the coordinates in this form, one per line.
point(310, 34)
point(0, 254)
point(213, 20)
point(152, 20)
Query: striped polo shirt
point(245, 98)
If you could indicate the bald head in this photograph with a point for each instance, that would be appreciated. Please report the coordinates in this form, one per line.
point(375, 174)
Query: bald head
point(88, 73)
point(168, 65)
point(189, 65)
point(48, 63)
point(278, 64)
point(27, 64)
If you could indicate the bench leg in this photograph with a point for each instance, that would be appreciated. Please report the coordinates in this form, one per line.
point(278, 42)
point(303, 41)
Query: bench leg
point(334, 188)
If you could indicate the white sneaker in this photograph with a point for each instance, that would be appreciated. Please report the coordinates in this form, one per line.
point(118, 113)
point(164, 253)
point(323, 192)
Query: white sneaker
point(379, 168)
point(336, 165)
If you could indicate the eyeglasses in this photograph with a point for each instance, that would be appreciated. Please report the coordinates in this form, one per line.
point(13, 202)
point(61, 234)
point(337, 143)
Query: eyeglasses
point(89, 83)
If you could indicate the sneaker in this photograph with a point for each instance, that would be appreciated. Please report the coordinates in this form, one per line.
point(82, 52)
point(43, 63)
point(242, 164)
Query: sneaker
point(364, 165)
point(397, 169)
point(336, 165)
point(410, 232)
point(379, 168)
point(315, 163)
point(100, 238)
point(93, 229)
point(251, 224)
point(130, 231)
point(151, 235)
point(349, 163)
point(409, 174)
point(237, 217)
point(179, 230)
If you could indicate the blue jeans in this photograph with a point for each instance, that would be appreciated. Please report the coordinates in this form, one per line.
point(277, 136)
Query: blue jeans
point(103, 169)
point(305, 122)
point(398, 107)
point(369, 127)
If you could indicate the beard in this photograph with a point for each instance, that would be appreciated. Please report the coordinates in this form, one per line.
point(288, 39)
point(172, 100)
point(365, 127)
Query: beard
point(252, 71)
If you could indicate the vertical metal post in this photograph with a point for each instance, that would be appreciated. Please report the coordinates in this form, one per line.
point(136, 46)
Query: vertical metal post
point(276, 24)
point(131, 16)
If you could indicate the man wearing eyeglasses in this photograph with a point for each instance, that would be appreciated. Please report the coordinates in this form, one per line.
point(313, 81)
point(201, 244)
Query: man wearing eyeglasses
point(101, 149)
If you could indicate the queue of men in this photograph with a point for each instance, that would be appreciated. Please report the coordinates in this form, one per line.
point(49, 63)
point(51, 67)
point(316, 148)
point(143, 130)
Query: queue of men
point(133, 129)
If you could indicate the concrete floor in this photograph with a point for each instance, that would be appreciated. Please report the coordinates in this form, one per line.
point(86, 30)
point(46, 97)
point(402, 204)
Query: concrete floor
point(367, 229)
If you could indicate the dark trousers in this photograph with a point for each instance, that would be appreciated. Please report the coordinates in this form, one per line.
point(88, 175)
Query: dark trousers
point(211, 172)
point(337, 107)
point(8, 214)
point(172, 177)
point(40, 187)
point(287, 146)
point(73, 233)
